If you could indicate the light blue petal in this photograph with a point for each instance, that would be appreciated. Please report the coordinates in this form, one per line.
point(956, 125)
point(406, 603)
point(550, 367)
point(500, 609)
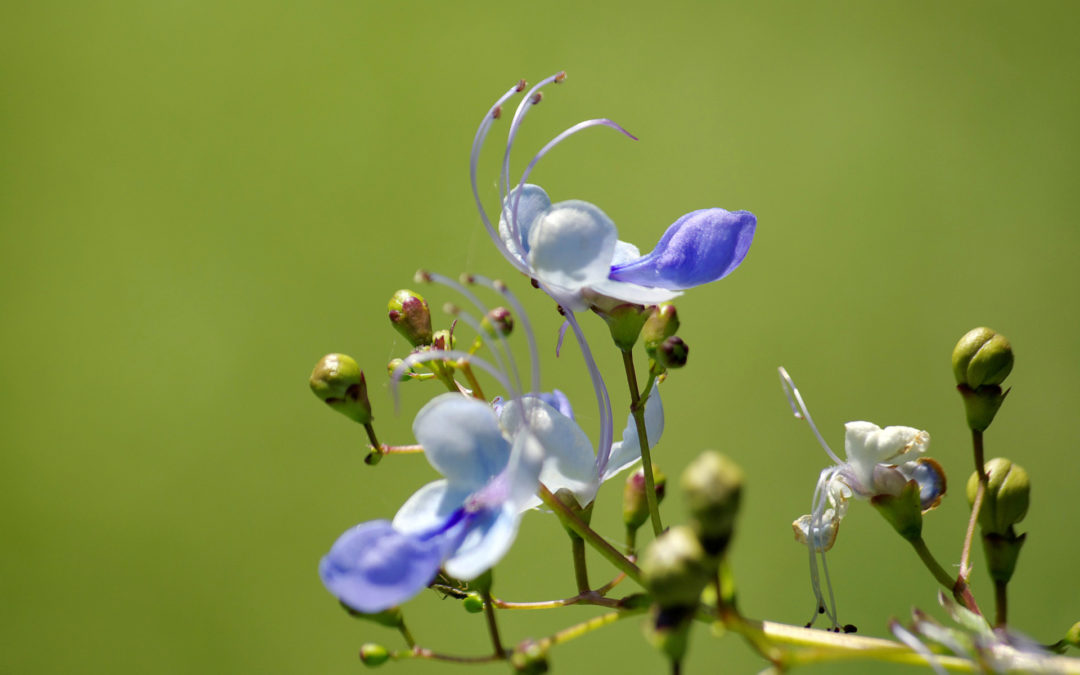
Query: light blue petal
point(558, 400)
point(462, 440)
point(532, 203)
point(568, 457)
point(700, 247)
point(571, 245)
point(628, 450)
point(487, 539)
point(639, 295)
point(373, 567)
point(624, 252)
point(429, 508)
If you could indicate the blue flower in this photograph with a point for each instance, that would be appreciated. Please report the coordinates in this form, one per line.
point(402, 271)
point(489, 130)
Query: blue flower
point(464, 523)
point(572, 249)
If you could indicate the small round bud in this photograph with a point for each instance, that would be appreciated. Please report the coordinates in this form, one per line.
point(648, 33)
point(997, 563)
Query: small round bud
point(982, 357)
point(570, 501)
point(1072, 637)
point(662, 324)
point(338, 380)
point(675, 568)
point(673, 352)
point(408, 312)
point(635, 504)
point(529, 658)
point(393, 366)
point(373, 655)
point(443, 339)
point(712, 484)
point(1008, 491)
point(473, 603)
point(625, 322)
point(498, 321)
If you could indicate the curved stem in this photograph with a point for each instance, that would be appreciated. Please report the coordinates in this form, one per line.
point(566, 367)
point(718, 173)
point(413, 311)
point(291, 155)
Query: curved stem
point(638, 411)
point(493, 627)
point(980, 470)
point(581, 572)
point(588, 534)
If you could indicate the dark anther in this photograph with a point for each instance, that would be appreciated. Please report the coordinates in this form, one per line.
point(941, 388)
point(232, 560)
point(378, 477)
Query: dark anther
point(850, 628)
point(821, 609)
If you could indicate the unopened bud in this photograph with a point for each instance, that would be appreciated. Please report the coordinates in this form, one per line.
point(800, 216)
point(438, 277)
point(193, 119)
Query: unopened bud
point(1072, 637)
point(675, 568)
point(392, 367)
point(498, 321)
point(443, 339)
point(570, 501)
point(982, 357)
point(473, 603)
point(668, 630)
point(408, 312)
point(662, 324)
point(338, 380)
point(635, 506)
point(373, 655)
point(712, 484)
point(625, 322)
point(1008, 492)
point(672, 352)
point(529, 658)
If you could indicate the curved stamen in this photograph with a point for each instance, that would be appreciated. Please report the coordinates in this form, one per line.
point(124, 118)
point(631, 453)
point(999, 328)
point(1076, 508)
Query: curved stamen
point(531, 98)
point(580, 126)
point(433, 277)
point(813, 531)
point(798, 408)
point(603, 452)
point(534, 354)
point(443, 355)
point(474, 157)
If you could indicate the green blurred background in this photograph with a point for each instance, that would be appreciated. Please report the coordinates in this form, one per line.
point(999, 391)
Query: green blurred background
point(198, 200)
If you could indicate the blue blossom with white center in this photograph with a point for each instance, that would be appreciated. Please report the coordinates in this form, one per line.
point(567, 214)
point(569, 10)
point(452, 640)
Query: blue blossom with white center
point(879, 461)
point(572, 249)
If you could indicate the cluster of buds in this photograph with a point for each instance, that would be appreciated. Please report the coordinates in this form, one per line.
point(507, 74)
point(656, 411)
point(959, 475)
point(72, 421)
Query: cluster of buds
point(665, 348)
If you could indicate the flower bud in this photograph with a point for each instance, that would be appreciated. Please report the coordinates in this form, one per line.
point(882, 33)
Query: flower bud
point(393, 366)
point(529, 658)
point(443, 339)
point(675, 568)
point(408, 312)
point(712, 484)
point(498, 321)
point(473, 603)
point(662, 324)
point(338, 380)
point(373, 655)
point(625, 322)
point(982, 357)
point(1072, 637)
point(1008, 491)
point(569, 500)
point(635, 507)
point(672, 352)
point(668, 630)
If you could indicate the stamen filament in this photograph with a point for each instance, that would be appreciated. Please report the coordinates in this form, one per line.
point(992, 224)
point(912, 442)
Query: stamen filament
point(523, 317)
point(603, 452)
point(800, 411)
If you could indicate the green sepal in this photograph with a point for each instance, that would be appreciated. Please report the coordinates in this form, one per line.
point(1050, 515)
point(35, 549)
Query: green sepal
point(903, 511)
point(624, 322)
point(982, 404)
point(1002, 552)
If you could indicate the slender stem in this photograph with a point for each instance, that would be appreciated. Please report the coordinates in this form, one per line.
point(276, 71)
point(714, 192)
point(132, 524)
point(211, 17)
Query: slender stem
point(406, 634)
point(424, 653)
point(631, 541)
point(638, 411)
point(581, 572)
point(1001, 598)
point(587, 598)
point(493, 627)
point(932, 564)
point(577, 630)
point(585, 532)
point(477, 392)
point(375, 453)
point(980, 470)
point(401, 449)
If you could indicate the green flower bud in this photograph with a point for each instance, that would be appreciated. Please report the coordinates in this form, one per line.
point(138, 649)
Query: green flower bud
point(1073, 636)
point(635, 506)
point(903, 511)
point(529, 658)
point(408, 312)
point(625, 322)
point(338, 380)
point(712, 484)
point(662, 324)
point(473, 603)
point(393, 365)
point(569, 500)
point(1008, 492)
point(675, 568)
point(982, 357)
point(443, 339)
point(668, 630)
point(374, 655)
point(498, 321)
point(672, 352)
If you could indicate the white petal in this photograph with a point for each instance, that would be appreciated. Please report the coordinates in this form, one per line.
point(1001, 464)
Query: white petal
point(867, 445)
point(485, 543)
point(428, 508)
point(627, 292)
point(628, 450)
point(568, 458)
point(462, 440)
point(533, 202)
point(624, 253)
point(572, 244)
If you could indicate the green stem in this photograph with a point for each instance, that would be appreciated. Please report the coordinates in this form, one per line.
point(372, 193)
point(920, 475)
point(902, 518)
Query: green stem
point(376, 452)
point(1001, 599)
point(976, 506)
point(585, 627)
point(493, 627)
point(406, 634)
point(424, 653)
point(585, 532)
point(587, 598)
point(477, 392)
point(581, 572)
point(932, 564)
point(638, 411)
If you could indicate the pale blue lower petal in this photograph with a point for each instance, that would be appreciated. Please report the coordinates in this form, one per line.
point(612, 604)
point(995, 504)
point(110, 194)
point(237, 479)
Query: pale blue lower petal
point(488, 538)
point(639, 295)
point(373, 567)
point(429, 507)
point(627, 450)
point(462, 440)
point(568, 458)
point(572, 244)
point(700, 247)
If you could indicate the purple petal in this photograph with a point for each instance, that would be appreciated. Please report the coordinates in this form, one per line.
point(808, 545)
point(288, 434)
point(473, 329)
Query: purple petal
point(373, 567)
point(700, 247)
point(558, 400)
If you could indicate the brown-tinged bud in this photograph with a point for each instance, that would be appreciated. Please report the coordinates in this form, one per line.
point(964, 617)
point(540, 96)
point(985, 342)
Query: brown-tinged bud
point(408, 312)
point(498, 321)
point(662, 324)
point(338, 380)
point(635, 504)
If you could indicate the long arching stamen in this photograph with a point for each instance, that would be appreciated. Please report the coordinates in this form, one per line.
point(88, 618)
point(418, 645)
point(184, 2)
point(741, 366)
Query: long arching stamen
point(433, 277)
point(443, 355)
point(812, 530)
point(531, 98)
point(798, 408)
point(580, 126)
point(607, 433)
point(474, 158)
point(530, 337)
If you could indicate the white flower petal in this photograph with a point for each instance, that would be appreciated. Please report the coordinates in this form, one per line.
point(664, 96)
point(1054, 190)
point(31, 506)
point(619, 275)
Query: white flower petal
point(486, 542)
point(866, 445)
point(462, 440)
point(572, 245)
point(627, 292)
point(533, 202)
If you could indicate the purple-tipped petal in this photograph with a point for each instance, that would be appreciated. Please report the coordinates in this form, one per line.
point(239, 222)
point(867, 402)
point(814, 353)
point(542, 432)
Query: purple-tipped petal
point(373, 567)
point(700, 247)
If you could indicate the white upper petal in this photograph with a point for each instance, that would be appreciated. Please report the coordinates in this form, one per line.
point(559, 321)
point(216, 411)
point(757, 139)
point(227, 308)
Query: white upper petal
point(628, 450)
point(525, 206)
point(572, 245)
point(462, 440)
point(866, 445)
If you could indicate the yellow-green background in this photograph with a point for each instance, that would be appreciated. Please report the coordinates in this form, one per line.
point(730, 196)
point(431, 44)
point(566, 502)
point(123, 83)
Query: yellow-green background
point(199, 199)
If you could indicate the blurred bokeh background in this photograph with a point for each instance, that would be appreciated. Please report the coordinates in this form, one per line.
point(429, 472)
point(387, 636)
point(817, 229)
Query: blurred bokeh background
point(200, 199)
